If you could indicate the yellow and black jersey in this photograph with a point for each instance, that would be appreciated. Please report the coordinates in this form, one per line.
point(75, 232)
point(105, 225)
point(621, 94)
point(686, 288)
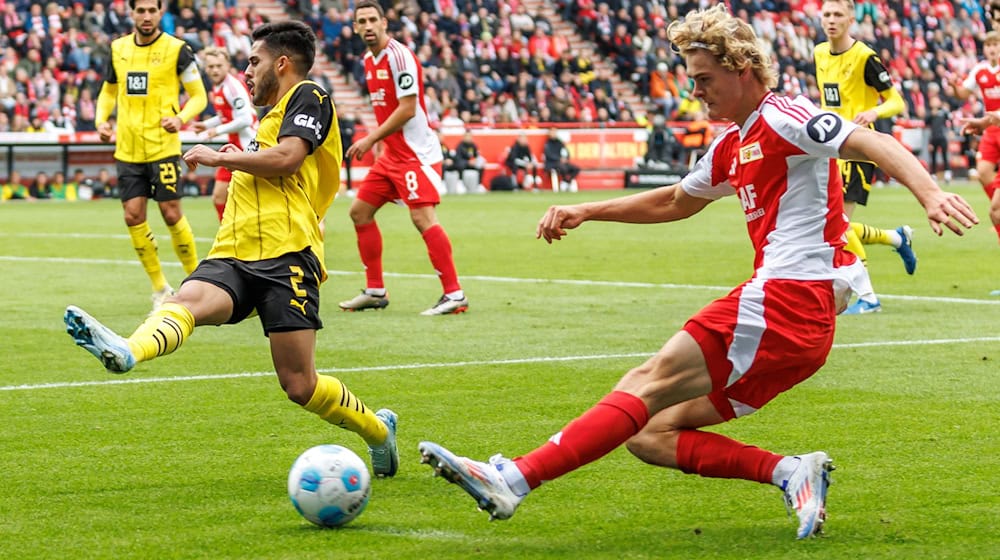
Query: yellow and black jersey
point(850, 82)
point(267, 217)
point(146, 82)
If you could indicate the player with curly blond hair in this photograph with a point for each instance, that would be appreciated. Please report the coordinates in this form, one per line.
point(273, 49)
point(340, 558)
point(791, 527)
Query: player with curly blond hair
point(768, 334)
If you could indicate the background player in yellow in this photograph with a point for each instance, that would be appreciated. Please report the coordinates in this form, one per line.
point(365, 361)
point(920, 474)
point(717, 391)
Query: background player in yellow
point(144, 77)
point(855, 84)
point(268, 251)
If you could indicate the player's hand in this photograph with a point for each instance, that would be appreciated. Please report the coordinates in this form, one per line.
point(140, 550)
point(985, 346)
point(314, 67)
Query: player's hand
point(950, 210)
point(979, 125)
point(230, 148)
point(171, 124)
point(201, 154)
point(360, 148)
point(865, 118)
point(199, 126)
point(555, 222)
point(105, 130)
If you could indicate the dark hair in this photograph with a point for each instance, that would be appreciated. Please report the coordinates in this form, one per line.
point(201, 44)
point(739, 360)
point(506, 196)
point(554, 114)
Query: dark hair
point(369, 4)
point(159, 4)
point(293, 39)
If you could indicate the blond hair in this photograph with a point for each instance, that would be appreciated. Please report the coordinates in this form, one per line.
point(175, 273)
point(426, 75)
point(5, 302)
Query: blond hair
point(214, 51)
point(729, 39)
point(848, 3)
point(992, 37)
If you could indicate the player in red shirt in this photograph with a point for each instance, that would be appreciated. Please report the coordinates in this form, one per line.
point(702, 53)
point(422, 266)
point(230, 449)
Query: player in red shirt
point(769, 333)
point(986, 76)
point(234, 117)
point(408, 169)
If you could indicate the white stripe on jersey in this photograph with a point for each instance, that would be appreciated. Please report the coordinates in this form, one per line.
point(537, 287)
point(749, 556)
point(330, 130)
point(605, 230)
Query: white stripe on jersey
point(788, 190)
point(416, 133)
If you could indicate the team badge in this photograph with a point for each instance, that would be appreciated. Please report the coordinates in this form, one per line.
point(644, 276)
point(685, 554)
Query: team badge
point(750, 153)
point(382, 74)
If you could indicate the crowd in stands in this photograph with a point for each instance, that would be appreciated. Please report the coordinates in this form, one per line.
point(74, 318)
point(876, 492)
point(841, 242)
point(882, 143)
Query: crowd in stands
point(493, 61)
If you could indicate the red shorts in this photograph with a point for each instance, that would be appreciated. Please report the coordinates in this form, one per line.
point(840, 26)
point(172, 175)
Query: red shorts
point(223, 175)
point(989, 145)
point(409, 182)
point(762, 339)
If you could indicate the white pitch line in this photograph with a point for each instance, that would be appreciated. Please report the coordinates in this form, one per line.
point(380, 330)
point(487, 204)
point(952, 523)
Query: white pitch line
point(95, 236)
point(441, 365)
point(504, 279)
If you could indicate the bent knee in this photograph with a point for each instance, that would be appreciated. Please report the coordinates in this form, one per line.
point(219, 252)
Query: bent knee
point(298, 391)
point(658, 449)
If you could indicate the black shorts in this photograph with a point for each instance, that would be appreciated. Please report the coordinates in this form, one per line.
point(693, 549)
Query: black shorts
point(156, 180)
point(283, 290)
point(857, 176)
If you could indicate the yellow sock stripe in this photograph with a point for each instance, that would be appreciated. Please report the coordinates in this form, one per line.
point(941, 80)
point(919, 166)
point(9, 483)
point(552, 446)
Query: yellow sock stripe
point(182, 238)
point(334, 402)
point(144, 243)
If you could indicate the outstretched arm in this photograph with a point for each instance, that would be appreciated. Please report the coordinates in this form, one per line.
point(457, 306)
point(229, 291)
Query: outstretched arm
point(944, 209)
point(665, 204)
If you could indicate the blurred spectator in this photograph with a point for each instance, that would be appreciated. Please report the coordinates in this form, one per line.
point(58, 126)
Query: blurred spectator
point(81, 185)
point(938, 121)
point(470, 163)
point(663, 148)
point(59, 189)
point(557, 163)
point(14, 189)
point(189, 184)
point(104, 185)
point(39, 188)
point(522, 163)
point(697, 135)
point(663, 89)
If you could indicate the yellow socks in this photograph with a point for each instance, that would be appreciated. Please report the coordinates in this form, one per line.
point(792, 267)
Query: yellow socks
point(872, 235)
point(162, 333)
point(145, 247)
point(183, 239)
point(334, 402)
point(854, 243)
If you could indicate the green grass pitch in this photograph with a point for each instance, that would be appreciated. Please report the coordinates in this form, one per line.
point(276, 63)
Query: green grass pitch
point(187, 456)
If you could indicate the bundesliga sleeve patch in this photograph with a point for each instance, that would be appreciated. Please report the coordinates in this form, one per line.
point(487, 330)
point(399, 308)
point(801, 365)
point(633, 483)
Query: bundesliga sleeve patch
point(824, 127)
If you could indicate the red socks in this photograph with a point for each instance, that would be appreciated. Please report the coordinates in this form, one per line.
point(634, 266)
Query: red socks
point(220, 208)
point(439, 250)
point(715, 456)
point(370, 248)
point(610, 423)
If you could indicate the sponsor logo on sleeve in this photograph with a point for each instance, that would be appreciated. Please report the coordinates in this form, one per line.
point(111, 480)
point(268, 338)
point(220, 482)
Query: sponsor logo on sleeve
point(405, 80)
point(824, 127)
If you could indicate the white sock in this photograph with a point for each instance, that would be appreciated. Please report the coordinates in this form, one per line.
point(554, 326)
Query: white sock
point(515, 480)
point(456, 295)
point(783, 471)
point(894, 238)
point(377, 292)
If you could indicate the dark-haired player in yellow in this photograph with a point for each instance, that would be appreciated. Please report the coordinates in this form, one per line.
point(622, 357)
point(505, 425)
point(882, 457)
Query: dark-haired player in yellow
point(268, 252)
point(144, 77)
point(855, 84)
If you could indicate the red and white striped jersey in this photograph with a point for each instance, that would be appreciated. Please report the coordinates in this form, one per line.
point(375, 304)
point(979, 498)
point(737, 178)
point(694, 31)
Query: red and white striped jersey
point(782, 165)
point(234, 113)
point(987, 79)
point(393, 74)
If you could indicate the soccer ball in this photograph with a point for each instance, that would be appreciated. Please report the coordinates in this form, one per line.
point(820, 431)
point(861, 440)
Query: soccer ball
point(329, 485)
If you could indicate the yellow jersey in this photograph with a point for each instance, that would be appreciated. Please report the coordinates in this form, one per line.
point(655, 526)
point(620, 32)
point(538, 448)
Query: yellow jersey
point(146, 82)
point(266, 217)
point(850, 82)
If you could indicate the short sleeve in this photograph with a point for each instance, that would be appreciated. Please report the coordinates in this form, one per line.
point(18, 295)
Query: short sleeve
point(308, 115)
